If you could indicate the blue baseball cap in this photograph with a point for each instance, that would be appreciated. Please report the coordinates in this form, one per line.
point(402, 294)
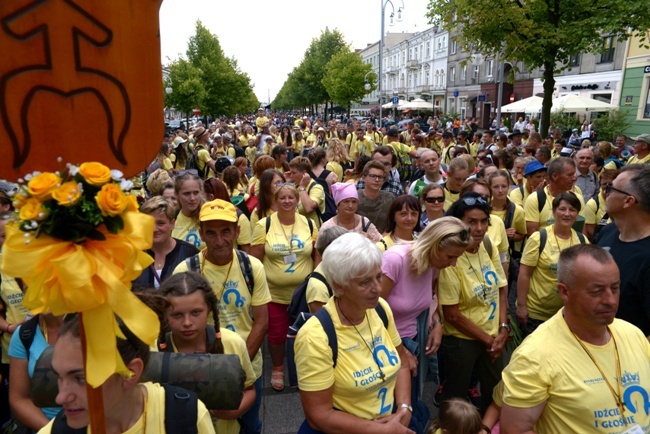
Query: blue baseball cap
point(532, 167)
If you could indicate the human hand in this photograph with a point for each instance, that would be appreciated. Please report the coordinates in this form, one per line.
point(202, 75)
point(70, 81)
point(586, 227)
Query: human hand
point(397, 422)
point(511, 232)
point(498, 345)
point(522, 314)
point(412, 362)
point(435, 339)
point(306, 179)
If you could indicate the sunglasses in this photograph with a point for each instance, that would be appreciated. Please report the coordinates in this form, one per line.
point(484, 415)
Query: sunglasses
point(609, 188)
point(285, 184)
point(471, 201)
point(439, 199)
point(463, 235)
point(188, 171)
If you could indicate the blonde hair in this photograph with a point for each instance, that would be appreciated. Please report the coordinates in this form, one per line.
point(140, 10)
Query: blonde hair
point(289, 187)
point(457, 416)
point(336, 151)
point(439, 235)
point(157, 180)
point(471, 164)
point(159, 204)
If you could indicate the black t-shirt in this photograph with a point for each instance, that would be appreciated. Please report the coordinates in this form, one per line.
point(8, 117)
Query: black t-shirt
point(633, 260)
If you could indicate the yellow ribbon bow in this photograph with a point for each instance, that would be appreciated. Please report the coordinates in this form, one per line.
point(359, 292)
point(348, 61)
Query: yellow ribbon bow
point(94, 278)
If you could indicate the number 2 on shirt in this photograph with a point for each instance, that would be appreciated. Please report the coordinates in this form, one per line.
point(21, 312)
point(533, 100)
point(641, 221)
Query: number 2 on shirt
point(493, 305)
point(382, 395)
point(291, 268)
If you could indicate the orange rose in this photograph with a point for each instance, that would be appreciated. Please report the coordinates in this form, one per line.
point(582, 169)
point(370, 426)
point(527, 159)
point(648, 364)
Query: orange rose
point(19, 200)
point(42, 185)
point(32, 209)
point(132, 203)
point(95, 173)
point(111, 200)
point(67, 194)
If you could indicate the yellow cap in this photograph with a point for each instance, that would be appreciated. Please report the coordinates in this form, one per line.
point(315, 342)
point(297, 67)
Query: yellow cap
point(218, 210)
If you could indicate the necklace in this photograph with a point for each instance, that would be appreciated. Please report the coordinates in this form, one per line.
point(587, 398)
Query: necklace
point(557, 242)
point(372, 336)
point(617, 396)
point(483, 283)
point(225, 279)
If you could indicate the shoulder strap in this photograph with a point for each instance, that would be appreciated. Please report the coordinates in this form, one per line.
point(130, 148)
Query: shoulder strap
point(384, 243)
point(487, 242)
point(597, 200)
point(328, 326)
point(382, 314)
point(193, 263)
point(268, 224)
point(311, 226)
point(510, 214)
point(365, 224)
point(581, 237)
point(521, 190)
point(166, 346)
point(28, 332)
point(541, 200)
point(246, 269)
point(180, 410)
point(542, 240)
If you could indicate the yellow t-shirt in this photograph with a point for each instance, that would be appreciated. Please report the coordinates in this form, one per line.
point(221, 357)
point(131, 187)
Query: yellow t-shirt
point(245, 234)
point(298, 147)
point(357, 386)
point(450, 198)
point(284, 277)
point(254, 218)
point(317, 290)
point(497, 233)
point(243, 140)
point(517, 197)
point(261, 121)
point(594, 213)
point(543, 299)
point(187, 229)
point(545, 218)
point(203, 156)
point(235, 300)
point(12, 297)
point(634, 159)
point(155, 413)
point(518, 222)
point(386, 243)
point(335, 167)
point(361, 147)
point(167, 163)
point(550, 366)
point(251, 153)
point(316, 193)
point(473, 284)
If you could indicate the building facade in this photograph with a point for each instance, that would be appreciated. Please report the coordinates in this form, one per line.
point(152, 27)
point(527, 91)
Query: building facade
point(635, 89)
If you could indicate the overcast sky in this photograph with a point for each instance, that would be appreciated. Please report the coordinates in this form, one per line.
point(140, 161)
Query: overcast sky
point(269, 38)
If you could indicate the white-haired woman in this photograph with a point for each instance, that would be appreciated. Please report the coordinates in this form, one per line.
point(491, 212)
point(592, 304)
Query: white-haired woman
point(409, 274)
point(359, 391)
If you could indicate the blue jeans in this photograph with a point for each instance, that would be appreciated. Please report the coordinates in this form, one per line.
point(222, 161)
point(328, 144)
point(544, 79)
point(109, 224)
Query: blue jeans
point(250, 422)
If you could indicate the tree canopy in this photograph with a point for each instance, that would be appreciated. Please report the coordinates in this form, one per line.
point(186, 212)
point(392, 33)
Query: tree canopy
point(344, 78)
point(224, 88)
point(540, 33)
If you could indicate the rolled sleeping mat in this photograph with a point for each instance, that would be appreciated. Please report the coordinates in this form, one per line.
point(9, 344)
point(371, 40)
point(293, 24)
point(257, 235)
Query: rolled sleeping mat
point(217, 379)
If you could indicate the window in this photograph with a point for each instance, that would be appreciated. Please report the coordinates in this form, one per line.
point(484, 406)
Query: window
point(607, 56)
point(427, 78)
point(490, 68)
point(463, 73)
point(645, 102)
point(428, 49)
point(454, 47)
point(404, 57)
point(574, 60)
point(476, 71)
point(452, 74)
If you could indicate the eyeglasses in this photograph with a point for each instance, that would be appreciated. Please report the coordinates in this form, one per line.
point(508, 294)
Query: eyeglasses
point(609, 188)
point(287, 184)
point(376, 177)
point(439, 199)
point(471, 201)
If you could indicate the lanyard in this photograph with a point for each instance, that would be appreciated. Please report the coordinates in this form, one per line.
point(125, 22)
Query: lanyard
point(617, 397)
point(289, 239)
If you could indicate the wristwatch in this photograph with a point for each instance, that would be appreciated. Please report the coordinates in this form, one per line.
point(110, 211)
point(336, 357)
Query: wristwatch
point(302, 189)
point(504, 325)
point(406, 406)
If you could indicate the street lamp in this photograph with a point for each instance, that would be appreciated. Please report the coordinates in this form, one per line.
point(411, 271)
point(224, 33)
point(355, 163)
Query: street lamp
point(385, 3)
point(367, 85)
point(168, 91)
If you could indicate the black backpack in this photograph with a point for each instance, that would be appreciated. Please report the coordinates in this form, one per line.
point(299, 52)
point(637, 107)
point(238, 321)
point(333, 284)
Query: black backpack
point(299, 299)
point(180, 413)
point(193, 163)
point(543, 236)
point(330, 205)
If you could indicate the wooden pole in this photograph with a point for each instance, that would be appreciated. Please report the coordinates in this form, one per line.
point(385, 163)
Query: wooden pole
point(95, 398)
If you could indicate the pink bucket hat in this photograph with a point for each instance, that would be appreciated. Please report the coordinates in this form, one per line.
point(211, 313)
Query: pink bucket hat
point(344, 190)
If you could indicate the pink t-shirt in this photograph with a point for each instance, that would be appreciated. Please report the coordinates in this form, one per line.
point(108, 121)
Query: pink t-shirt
point(371, 231)
point(411, 294)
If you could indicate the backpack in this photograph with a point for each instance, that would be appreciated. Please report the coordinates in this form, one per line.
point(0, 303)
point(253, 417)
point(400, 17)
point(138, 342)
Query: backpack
point(619, 164)
point(309, 222)
point(28, 332)
point(299, 299)
point(180, 413)
point(193, 264)
point(543, 236)
point(330, 205)
point(404, 167)
point(602, 222)
point(239, 151)
point(193, 163)
point(168, 347)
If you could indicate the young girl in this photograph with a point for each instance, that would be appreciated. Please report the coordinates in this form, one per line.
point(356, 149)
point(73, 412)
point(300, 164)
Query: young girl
point(458, 416)
point(192, 301)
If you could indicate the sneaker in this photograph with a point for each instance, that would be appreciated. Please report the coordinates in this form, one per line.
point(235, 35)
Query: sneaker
point(437, 397)
point(474, 396)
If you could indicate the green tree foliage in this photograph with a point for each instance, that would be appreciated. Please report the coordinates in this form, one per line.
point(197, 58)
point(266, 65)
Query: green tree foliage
point(345, 77)
point(540, 33)
point(186, 82)
point(612, 125)
point(225, 89)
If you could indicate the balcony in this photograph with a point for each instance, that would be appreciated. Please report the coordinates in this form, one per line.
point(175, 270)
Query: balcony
point(423, 88)
point(412, 64)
